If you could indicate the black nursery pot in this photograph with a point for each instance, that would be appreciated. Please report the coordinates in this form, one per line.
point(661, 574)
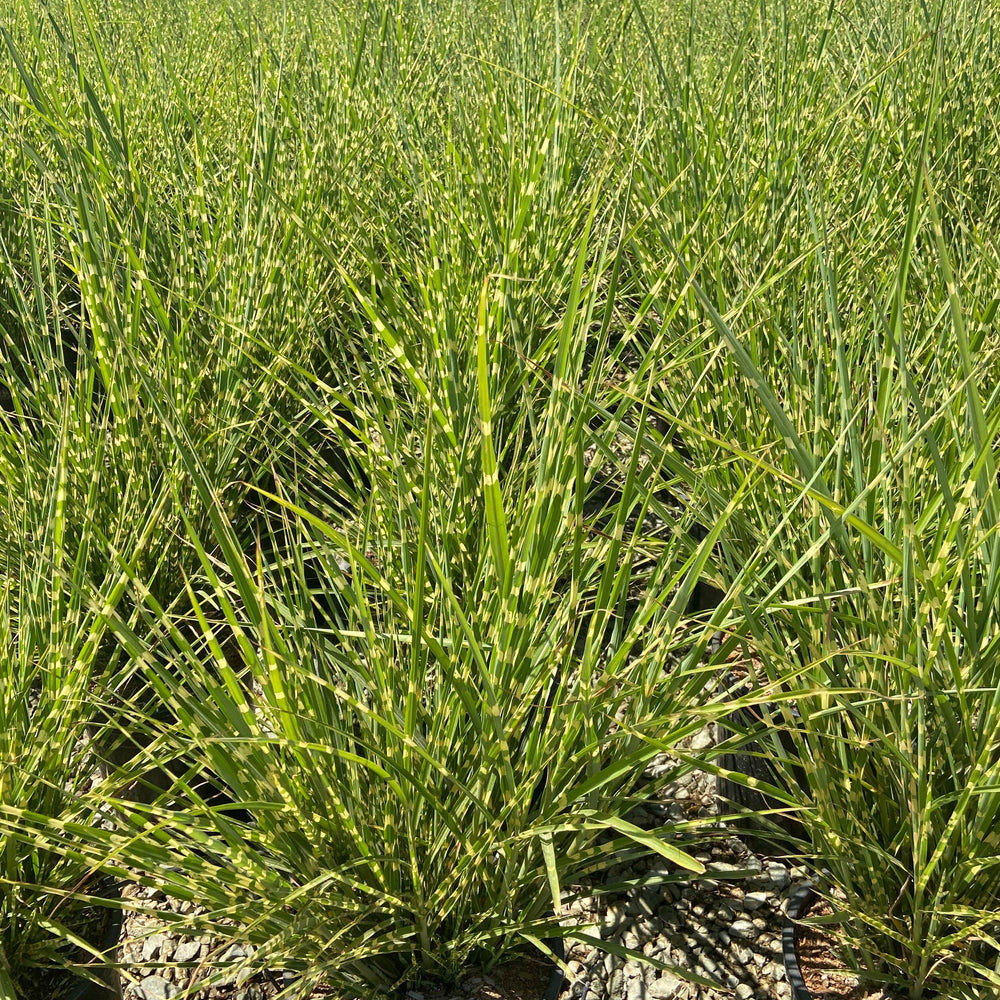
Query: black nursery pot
point(798, 904)
point(109, 988)
point(751, 762)
point(557, 977)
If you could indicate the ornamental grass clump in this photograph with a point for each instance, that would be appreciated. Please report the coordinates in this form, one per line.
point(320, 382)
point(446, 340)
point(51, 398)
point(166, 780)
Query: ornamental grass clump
point(864, 560)
point(400, 374)
point(427, 676)
point(422, 780)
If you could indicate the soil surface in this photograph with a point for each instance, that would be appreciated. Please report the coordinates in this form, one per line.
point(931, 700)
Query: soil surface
point(823, 971)
point(525, 978)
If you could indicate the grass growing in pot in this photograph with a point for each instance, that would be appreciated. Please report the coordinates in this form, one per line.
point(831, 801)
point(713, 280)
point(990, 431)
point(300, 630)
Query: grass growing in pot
point(868, 576)
point(428, 765)
point(429, 773)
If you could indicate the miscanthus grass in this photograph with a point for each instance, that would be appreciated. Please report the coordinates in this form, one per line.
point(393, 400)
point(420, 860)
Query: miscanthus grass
point(848, 323)
point(406, 375)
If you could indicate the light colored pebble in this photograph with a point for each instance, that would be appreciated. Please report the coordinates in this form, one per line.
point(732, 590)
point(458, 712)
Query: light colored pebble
point(635, 989)
point(744, 929)
point(702, 740)
point(667, 987)
point(632, 970)
point(616, 983)
point(153, 946)
point(235, 952)
point(187, 951)
point(778, 876)
point(725, 866)
point(157, 988)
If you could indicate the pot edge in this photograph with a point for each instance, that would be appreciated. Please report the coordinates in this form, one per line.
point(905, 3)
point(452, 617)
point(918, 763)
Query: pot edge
point(798, 903)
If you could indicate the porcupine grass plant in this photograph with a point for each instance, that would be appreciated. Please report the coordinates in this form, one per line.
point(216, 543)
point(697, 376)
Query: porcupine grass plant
point(847, 301)
point(429, 764)
point(427, 775)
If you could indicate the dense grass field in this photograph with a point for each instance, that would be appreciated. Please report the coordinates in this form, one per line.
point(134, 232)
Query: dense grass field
point(397, 399)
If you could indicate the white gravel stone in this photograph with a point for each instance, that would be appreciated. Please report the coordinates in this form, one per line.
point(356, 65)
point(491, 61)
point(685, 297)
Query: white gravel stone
point(703, 739)
point(724, 866)
point(616, 983)
point(157, 988)
point(153, 946)
point(635, 989)
point(235, 952)
point(187, 951)
point(667, 987)
point(775, 971)
point(744, 929)
point(778, 877)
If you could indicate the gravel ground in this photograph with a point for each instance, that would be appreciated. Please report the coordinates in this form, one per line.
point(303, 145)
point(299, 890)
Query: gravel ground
point(726, 927)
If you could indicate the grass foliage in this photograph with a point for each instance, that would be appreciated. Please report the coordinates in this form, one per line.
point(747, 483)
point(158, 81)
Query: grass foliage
point(384, 388)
